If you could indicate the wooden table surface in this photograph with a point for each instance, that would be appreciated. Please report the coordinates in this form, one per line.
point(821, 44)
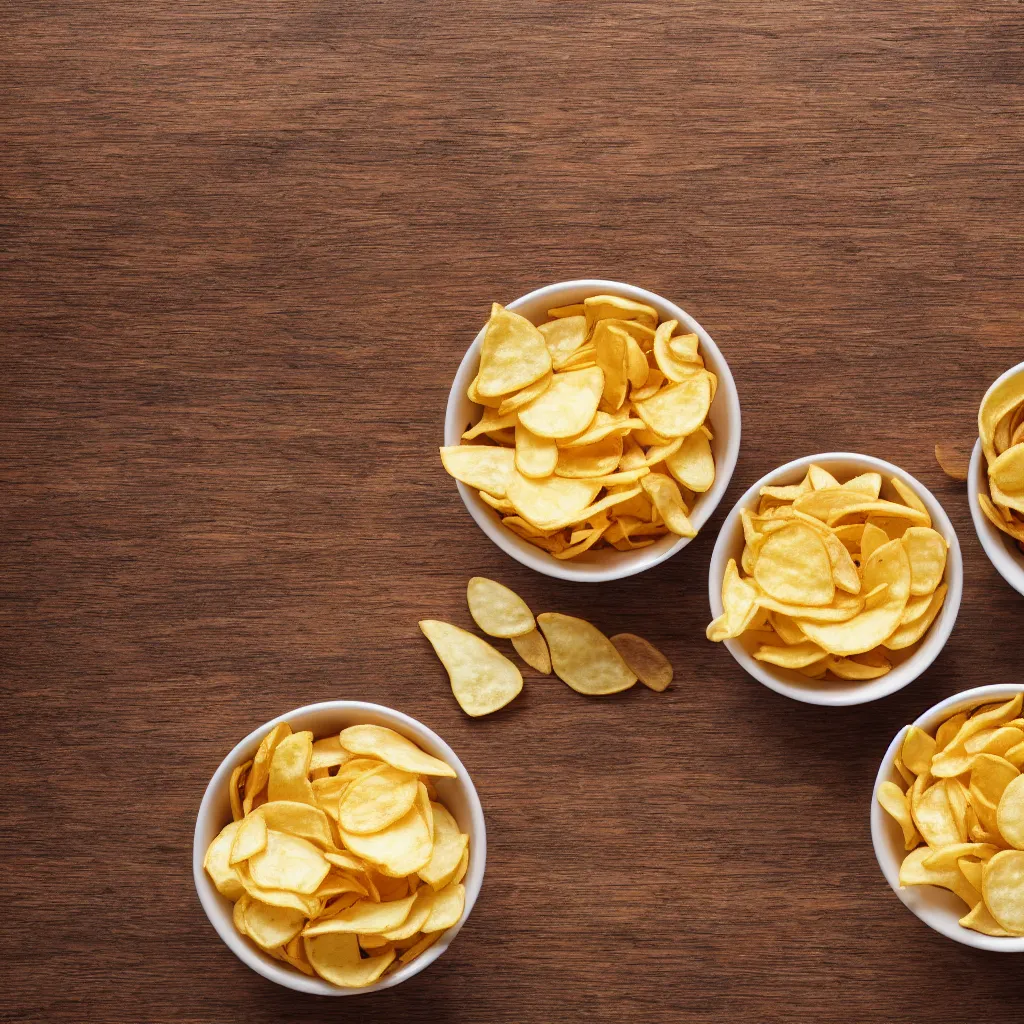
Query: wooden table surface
point(244, 247)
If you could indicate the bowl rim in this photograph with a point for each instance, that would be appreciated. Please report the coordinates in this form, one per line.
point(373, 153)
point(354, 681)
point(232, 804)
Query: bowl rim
point(996, 544)
point(645, 558)
point(210, 898)
point(901, 675)
point(890, 864)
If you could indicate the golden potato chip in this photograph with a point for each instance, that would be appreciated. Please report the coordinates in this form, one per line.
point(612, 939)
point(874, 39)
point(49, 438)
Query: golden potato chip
point(637, 367)
point(482, 679)
point(481, 466)
point(1010, 812)
point(250, 839)
point(952, 462)
point(328, 753)
point(611, 346)
point(338, 883)
point(259, 774)
point(388, 746)
point(797, 656)
point(217, 862)
point(678, 409)
point(692, 464)
point(894, 801)
point(651, 667)
point(821, 479)
point(289, 769)
point(926, 550)
point(536, 457)
point(913, 872)
point(336, 958)
point(982, 921)
point(918, 750)
point(364, 917)
point(793, 566)
point(583, 657)
point(740, 604)
point(909, 633)
point(287, 862)
point(533, 649)
point(612, 307)
point(564, 336)
point(1003, 888)
point(398, 850)
point(449, 847)
point(423, 904)
point(567, 407)
point(664, 494)
point(497, 610)
point(518, 399)
point(419, 947)
point(853, 669)
point(513, 354)
point(492, 420)
point(592, 460)
point(236, 787)
point(269, 926)
point(573, 309)
point(446, 908)
point(950, 856)
point(886, 509)
point(377, 799)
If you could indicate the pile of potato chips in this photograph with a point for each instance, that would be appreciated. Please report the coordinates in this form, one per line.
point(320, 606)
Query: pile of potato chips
point(1001, 427)
point(965, 801)
point(483, 680)
point(340, 859)
point(594, 426)
point(835, 576)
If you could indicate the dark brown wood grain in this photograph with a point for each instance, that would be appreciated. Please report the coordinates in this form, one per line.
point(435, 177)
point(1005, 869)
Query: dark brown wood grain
point(244, 247)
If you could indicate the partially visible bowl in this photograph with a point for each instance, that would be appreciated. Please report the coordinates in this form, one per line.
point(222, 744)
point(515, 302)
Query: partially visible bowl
point(458, 794)
point(938, 908)
point(1002, 551)
point(724, 421)
point(908, 664)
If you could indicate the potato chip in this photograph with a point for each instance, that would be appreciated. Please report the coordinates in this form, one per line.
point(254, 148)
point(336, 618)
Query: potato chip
point(449, 848)
point(592, 460)
point(679, 361)
point(336, 958)
point(377, 799)
point(797, 656)
point(533, 649)
point(740, 604)
point(613, 307)
point(217, 862)
point(907, 634)
point(388, 746)
point(564, 336)
point(236, 788)
point(536, 457)
point(678, 409)
point(446, 908)
point(894, 800)
point(269, 926)
point(664, 495)
point(398, 850)
point(567, 407)
point(482, 679)
point(259, 774)
point(288, 862)
point(611, 346)
point(513, 354)
point(1003, 888)
point(793, 566)
point(918, 750)
point(1010, 812)
point(250, 839)
point(953, 463)
point(583, 657)
point(486, 468)
point(926, 550)
point(692, 464)
point(289, 769)
point(497, 610)
point(651, 667)
point(913, 872)
point(328, 753)
point(365, 917)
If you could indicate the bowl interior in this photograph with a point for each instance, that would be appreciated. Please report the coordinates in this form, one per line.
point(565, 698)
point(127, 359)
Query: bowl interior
point(908, 663)
point(938, 908)
point(723, 421)
point(1002, 551)
point(458, 794)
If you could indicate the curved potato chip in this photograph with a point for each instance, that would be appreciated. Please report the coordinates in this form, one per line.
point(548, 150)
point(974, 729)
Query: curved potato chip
point(450, 845)
point(513, 354)
point(950, 856)
point(909, 633)
point(793, 566)
point(637, 367)
point(916, 607)
point(328, 753)
point(663, 491)
point(238, 913)
point(364, 917)
point(979, 918)
point(843, 608)
point(652, 668)
point(483, 680)
point(797, 656)
point(822, 504)
point(511, 405)
point(394, 749)
point(491, 420)
point(917, 750)
point(259, 774)
point(287, 862)
point(423, 904)
point(217, 862)
point(679, 409)
point(611, 346)
point(535, 456)
point(867, 483)
point(953, 463)
point(889, 564)
point(592, 511)
point(289, 769)
point(789, 632)
point(551, 499)
point(533, 649)
point(236, 785)
point(336, 958)
point(338, 883)
point(250, 839)
point(1010, 813)
point(497, 610)
point(484, 467)
point(308, 904)
point(999, 403)
point(269, 926)
point(850, 668)
point(583, 657)
point(990, 775)
point(739, 603)
point(604, 424)
point(926, 549)
point(597, 459)
point(913, 872)
point(398, 850)
point(655, 379)
point(1003, 886)
point(692, 464)
point(820, 478)
point(994, 741)
point(567, 407)
point(563, 336)
point(886, 509)
point(377, 799)
point(446, 908)
point(680, 362)
point(613, 307)
point(894, 802)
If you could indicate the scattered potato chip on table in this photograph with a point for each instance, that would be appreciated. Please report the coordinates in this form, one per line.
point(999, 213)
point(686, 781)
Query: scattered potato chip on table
point(348, 876)
point(962, 813)
point(836, 577)
point(592, 432)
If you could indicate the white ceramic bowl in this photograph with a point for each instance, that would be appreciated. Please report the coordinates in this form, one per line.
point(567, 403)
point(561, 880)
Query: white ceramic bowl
point(332, 716)
point(1002, 552)
point(907, 664)
point(938, 908)
point(724, 420)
